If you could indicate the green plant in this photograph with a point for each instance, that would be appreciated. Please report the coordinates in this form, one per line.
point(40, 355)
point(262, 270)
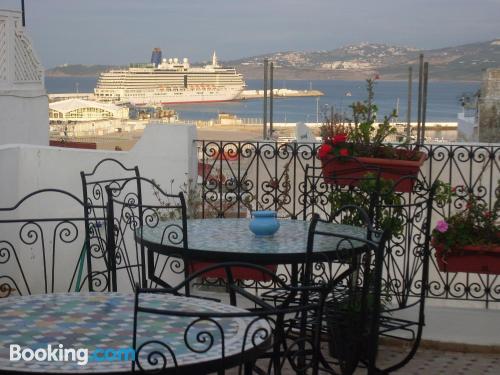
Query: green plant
point(364, 132)
point(363, 135)
point(332, 126)
point(193, 198)
point(388, 210)
point(474, 225)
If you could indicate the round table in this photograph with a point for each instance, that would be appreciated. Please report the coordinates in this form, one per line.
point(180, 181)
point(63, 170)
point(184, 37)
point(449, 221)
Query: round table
point(100, 321)
point(231, 240)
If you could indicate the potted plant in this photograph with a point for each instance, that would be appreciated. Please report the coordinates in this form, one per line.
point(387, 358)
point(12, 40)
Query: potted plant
point(366, 142)
point(389, 214)
point(348, 328)
point(469, 240)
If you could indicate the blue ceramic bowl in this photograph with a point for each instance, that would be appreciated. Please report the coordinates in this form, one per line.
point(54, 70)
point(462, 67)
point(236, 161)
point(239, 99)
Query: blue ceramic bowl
point(264, 223)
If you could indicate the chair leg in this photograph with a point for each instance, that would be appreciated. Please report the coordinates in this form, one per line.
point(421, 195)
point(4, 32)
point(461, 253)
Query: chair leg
point(248, 366)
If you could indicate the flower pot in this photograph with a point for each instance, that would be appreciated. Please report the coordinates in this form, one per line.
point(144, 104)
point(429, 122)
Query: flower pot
point(349, 171)
point(264, 223)
point(347, 337)
point(471, 258)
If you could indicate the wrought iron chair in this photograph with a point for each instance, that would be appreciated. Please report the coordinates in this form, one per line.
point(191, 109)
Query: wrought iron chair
point(353, 304)
point(107, 172)
point(130, 215)
point(316, 192)
point(406, 273)
point(359, 186)
point(222, 337)
point(43, 253)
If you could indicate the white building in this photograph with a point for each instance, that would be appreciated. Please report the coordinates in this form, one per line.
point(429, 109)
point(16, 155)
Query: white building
point(23, 99)
point(84, 110)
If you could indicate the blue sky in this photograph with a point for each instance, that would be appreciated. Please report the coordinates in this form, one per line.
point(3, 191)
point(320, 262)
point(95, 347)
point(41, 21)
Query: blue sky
point(123, 31)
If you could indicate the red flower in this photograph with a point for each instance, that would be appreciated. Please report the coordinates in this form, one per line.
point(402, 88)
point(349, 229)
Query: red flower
point(324, 151)
point(488, 214)
point(339, 138)
point(344, 152)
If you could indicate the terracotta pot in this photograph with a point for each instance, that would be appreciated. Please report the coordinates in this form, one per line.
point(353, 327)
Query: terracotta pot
point(471, 258)
point(350, 170)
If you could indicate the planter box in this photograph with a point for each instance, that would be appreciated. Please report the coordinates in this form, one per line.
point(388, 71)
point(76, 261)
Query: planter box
point(472, 259)
point(351, 170)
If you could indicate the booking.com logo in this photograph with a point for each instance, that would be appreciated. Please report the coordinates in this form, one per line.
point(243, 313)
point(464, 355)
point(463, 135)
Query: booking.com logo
point(58, 353)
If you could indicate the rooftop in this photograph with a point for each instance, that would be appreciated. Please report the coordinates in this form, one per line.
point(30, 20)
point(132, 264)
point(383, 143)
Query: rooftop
point(70, 105)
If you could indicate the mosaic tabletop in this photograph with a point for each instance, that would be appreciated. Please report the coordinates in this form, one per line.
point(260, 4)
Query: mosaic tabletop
point(101, 321)
point(232, 240)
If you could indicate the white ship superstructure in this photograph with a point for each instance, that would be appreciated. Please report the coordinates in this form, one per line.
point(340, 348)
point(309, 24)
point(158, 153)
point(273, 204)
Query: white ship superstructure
point(169, 82)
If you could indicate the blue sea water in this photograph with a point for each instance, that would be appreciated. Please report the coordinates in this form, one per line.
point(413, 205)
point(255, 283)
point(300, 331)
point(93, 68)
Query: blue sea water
point(442, 103)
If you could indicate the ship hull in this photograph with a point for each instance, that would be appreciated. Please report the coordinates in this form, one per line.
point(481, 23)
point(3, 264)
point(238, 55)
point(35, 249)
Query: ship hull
point(184, 98)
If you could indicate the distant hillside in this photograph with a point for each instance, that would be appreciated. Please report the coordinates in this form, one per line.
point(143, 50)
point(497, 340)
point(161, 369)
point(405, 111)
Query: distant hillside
point(464, 62)
point(359, 61)
point(78, 70)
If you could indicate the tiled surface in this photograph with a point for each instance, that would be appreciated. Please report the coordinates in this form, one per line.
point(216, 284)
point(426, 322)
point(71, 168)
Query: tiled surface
point(105, 321)
point(430, 362)
point(433, 362)
point(234, 236)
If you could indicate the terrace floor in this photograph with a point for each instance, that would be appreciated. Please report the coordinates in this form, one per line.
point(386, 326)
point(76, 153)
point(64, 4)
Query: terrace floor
point(434, 361)
point(431, 361)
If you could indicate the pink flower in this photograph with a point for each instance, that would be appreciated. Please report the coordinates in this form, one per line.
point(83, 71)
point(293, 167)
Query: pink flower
point(442, 226)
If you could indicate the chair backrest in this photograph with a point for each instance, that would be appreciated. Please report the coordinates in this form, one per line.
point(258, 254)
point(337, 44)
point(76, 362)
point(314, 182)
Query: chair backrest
point(41, 252)
point(408, 216)
point(229, 335)
point(130, 216)
point(353, 306)
point(326, 187)
point(107, 172)
point(403, 206)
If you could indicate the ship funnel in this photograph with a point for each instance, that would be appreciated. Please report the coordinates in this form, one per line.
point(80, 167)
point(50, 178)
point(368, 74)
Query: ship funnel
point(214, 59)
point(156, 57)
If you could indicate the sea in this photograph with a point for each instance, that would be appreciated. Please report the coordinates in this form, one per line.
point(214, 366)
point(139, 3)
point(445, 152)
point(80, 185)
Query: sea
point(443, 101)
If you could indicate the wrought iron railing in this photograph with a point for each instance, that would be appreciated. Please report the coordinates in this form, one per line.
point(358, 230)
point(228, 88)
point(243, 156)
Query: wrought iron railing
point(237, 176)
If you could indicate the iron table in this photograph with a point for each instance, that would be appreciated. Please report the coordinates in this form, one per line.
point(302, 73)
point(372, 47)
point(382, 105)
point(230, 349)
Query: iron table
point(99, 321)
point(231, 240)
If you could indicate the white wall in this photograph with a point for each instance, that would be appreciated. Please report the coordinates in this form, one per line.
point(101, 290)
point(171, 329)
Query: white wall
point(24, 119)
point(164, 152)
point(23, 100)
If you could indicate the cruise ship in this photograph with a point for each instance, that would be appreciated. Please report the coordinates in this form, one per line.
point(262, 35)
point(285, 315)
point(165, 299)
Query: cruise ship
point(169, 82)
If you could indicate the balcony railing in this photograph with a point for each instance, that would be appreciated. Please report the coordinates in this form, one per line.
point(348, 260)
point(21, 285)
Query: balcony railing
point(236, 176)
